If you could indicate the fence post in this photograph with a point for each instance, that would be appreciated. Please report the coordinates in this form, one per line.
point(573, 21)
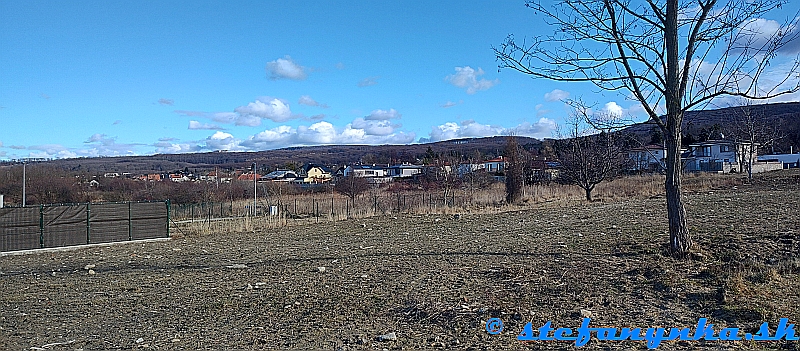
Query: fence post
point(130, 224)
point(88, 225)
point(41, 226)
point(168, 207)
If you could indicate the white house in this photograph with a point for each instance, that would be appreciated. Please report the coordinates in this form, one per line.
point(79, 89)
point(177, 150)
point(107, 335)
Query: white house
point(495, 165)
point(404, 171)
point(724, 156)
point(713, 156)
point(649, 158)
point(375, 174)
point(281, 175)
point(366, 171)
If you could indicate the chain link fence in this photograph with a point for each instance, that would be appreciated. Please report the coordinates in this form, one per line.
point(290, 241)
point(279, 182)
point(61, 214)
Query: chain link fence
point(48, 226)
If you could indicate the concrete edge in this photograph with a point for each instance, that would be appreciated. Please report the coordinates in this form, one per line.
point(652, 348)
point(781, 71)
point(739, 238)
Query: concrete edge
point(78, 247)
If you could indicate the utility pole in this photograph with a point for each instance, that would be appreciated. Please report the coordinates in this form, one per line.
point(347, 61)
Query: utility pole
point(23, 183)
point(255, 189)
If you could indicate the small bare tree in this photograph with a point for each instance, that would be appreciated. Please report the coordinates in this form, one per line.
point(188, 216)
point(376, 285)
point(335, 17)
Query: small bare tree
point(444, 174)
point(588, 155)
point(351, 186)
point(751, 130)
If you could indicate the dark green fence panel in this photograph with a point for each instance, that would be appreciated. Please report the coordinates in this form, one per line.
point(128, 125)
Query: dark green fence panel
point(109, 223)
point(65, 225)
point(149, 220)
point(19, 228)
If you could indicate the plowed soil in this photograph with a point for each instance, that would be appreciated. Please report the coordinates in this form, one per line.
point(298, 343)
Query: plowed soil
point(423, 281)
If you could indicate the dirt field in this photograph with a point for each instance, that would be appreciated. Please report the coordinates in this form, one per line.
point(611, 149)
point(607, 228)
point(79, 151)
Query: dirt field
point(422, 281)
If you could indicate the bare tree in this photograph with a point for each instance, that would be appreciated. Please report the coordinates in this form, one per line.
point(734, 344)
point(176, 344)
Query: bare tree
point(351, 186)
point(751, 130)
point(672, 55)
point(444, 174)
point(515, 175)
point(587, 157)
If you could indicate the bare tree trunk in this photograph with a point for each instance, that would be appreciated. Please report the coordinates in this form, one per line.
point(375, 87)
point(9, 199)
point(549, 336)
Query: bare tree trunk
point(588, 194)
point(679, 239)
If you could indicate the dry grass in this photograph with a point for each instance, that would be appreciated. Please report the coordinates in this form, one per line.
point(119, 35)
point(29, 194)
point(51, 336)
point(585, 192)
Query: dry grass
point(309, 208)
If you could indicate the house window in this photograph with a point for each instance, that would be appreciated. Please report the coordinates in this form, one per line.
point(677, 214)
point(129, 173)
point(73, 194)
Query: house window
point(705, 151)
point(724, 148)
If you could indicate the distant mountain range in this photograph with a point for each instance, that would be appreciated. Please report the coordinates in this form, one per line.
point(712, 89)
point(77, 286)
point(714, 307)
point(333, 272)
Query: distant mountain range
point(786, 114)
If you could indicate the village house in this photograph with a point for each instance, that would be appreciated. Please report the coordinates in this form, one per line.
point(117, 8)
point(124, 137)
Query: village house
point(316, 174)
point(650, 158)
point(179, 178)
point(723, 156)
point(542, 170)
point(365, 171)
point(249, 176)
point(281, 175)
point(153, 177)
point(404, 170)
point(375, 174)
point(495, 165)
point(469, 167)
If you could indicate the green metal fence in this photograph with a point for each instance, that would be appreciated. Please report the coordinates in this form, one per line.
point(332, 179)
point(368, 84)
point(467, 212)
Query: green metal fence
point(47, 226)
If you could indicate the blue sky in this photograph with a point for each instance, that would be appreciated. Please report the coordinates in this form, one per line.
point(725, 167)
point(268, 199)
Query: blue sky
point(110, 78)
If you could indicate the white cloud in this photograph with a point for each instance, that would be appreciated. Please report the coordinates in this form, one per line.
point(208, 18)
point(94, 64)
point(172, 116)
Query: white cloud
point(541, 111)
point(195, 125)
point(164, 147)
point(285, 68)
point(190, 113)
point(450, 104)
point(317, 133)
point(373, 127)
point(95, 138)
point(166, 102)
point(377, 115)
point(308, 101)
point(369, 81)
point(757, 33)
point(103, 145)
point(613, 110)
point(542, 129)
point(471, 129)
point(273, 109)
point(359, 132)
point(95, 146)
point(222, 141)
point(467, 77)
point(556, 95)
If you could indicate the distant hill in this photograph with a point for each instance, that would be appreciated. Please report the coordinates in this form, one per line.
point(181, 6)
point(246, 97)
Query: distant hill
point(787, 114)
point(325, 154)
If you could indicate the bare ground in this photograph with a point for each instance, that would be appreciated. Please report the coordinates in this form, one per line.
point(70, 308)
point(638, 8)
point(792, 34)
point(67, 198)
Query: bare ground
point(432, 280)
